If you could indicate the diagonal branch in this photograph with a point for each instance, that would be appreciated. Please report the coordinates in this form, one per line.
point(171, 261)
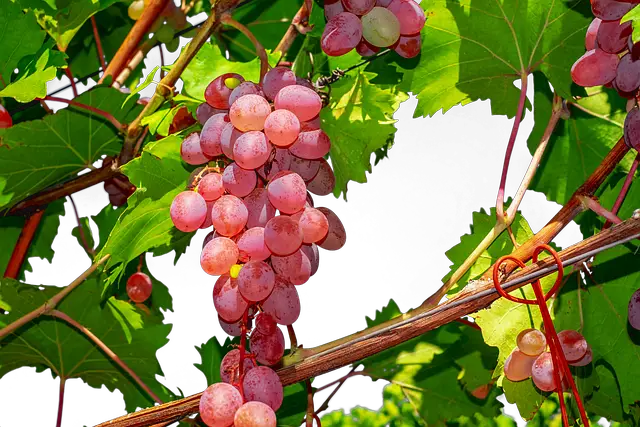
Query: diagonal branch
point(22, 245)
point(96, 36)
point(299, 21)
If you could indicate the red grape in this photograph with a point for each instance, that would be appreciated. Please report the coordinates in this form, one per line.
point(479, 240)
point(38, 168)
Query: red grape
point(266, 324)
point(408, 46)
point(307, 169)
point(295, 268)
point(531, 342)
point(276, 79)
point(341, 34)
point(542, 372)
point(218, 256)
point(249, 112)
point(358, 7)
point(287, 192)
point(281, 161)
point(332, 9)
point(312, 252)
point(218, 92)
point(268, 349)
point(283, 303)
point(233, 329)
point(595, 68)
point(592, 32)
point(251, 245)
point(139, 287)
point(324, 181)
point(612, 36)
point(282, 128)
point(586, 359)
point(227, 299)
point(410, 15)
point(313, 223)
point(256, 280)
point(254, 414)
point(229, 215)
point(573, 345)
point(188, 211)
point(211, 134)
point(262, 384)
point(237, 181)
point(251, 150)
point(610, 10)
point(305, 103)
point(282, 235)
point(628, 74)
point(311, 145)
point(211, 186)
point(518, 365)
point(230, 364)
point(228, 139)
point(245, 88)
point(191, 151)
point(259, 207)
point(336, 236)
point(632, 128)
point(219, 404)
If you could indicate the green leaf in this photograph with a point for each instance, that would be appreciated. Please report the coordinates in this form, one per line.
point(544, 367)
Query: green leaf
point(357, 417)
point(50, 343)
point(634, 16)
point(211, 354)
point(160, 121)
point(147, 81)
point(359, 120)
point(477, 49)
point(41, 153)
point(104, 221)
point(294, 406)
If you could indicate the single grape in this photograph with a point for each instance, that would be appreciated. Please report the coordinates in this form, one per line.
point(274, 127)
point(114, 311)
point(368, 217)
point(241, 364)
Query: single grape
point(281, 161)
point(573, 345)
point(228, 139)
point(632, 128)
point(227, 299)
point(245, 88)
point(218, 92)
point(311, 145)
point(219, 405)
point(139, 287)
point(191, 152)
point(218, 256)
point(307, 169)
point(211, 134)
point(332, 9)
point(188, 210)
point(358, 7)
point(531, 342)
point(324, 181)
point(634, 310)
point(211, 186)
point(276, 79)
point(262, 384)
point(592, 32)
point(229, 366)
point(381, 27)
point(5, 118)
point(305, 103)
point(266, 324)
point(518, 365)
point(294, 268)
point(366, 49)
point(207, 218)
point(283, 303)
point(594, 68)
point(610, 10)
point(628, 74)
point(135, 9)
point(268, 349)
point(542, 372)
point(259, 207)
point(282, 128)
point(256, 280)
point(336, 236)
point(612, 36)
point(229, 215)
point(249, 112)
point(586, 359)
point(341, 34)
point(408, 46)
point(237, 181)
point(409, 14)
point(313, 223)
point(251, 245)
point(233, 329)
point(205, 111)
point(287, 192)
point(282, 235)
point(254, 414)
point(313, 124)
point(251, 150)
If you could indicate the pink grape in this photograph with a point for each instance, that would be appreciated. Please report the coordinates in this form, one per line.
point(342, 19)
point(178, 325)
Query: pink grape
point(219, 404)
point(283, 303)
point(612, 36)
point(282, 235)
point(218, 256)
point(628, 74)
point(307, 169)
point(229, 215)
point(518, 365)
point(632, 128)
point(207, 218)
point(304, 82)
point(204, 111)
point(211, 134)
point(188, 210)
point(573, 345)
point(256, 280)
point(259, 207)
point(282, 128)
point(313, 223)
point(229, 366)
point(228, 139)
point(359, 7)
point(233, 329)
point(408, 46)
point(218, 91)
point(634, 310)
point(254, 414)
point(312, 252)
point(410, 15)
point(295, 268)
point(592, 32)
point(191, 151)
point(262, 384)
point(336, 236)
point(383, 3)
point(211, 186)
point(595, 68)
point(341, 34)
point(531, 342)
point(251, 150)
point(586, 359)
point(287, 192)
point(313, 124)
point(237, 181)
point(542, 372)
point(249, 112)
point(311, 145)
point(266, 324)
point(332, 9)
point(227, 299)
point(366, 49)
point(245, 88)
point(251, 245)
point(281, 161)
point(139, 287)
point(610, 10)
point(305, 103)
point(276, 79)
point(268, 349)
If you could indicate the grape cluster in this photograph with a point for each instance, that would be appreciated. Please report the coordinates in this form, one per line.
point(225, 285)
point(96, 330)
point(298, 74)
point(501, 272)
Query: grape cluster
point(368, 25)
point(5, 118)
point(139, 287)
point(531, 359)
point(266, 230)
point(118, 187)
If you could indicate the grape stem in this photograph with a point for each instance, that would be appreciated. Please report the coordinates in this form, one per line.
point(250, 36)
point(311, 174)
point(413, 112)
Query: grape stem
point(72, 81)
point(227, 19)
point(96, 36)
point(625, 189)
point(292, 338)
point(94, 110)
point(83, 237)
point(310, 411)
point(60, 402)
point(22, 246)
point(596, 207)
point(298, 26)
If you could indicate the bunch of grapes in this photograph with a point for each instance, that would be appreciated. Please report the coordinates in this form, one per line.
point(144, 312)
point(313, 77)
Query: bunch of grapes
point(369, 25)
point(5, 118)
point(532, 359)
point(119, 187)
point(266, 230)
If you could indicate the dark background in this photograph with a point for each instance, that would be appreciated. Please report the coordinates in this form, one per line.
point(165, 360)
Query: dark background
point(417, 204)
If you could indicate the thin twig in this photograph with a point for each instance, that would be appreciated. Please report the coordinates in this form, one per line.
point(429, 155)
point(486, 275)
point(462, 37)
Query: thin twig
point(625, 189)
point(599, 209)
point(94, 110)
point(292, 338)
point(340, 382)
point(60, 402)
point(96, 36)
point(22, 245)
point(473, 325)
point(161, 50)
point(227, 19)
point(83, 237)
point(72, 82)
point(310, 411)
point(352, 373)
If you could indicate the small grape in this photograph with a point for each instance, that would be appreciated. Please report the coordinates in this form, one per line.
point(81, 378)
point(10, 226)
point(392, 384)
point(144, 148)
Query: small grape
point(518, 365)
point(218, 256)
point(408, 46)
point(139, 287)
point(211, 186)
point(592, 32)
point(586, 359)
point(276, 79)
point(324, 181)
point(307, 169)
point(634, 310)
point(262, 384)
point(218, 91)
point(542, 372)
point(237, 181)
point(251, 150)
point(612, 36)
point(188, 211)
point(219, 405)
point(531, 342)
point(332, 9)
point(312, 252)
point(294, 268)
point(341, 34)
point(610, 10)
point(409, 14)
point(228, 139)
point(595, 68)
point(245, 88)
point(282, 235)
point(628, 74)
point(233, 329)
point(336, 236)
point(135, 10)
point(305, 103)
point(287, 192)
point(211, 134)
point(256, 280)
point(313, 223)
point(249, 112)
point(251, 245)
point(281, 161)
point(313, 124)
point(191, 152)
point(283, 303)
point(282, 128)
point(573, 345)
point(358, 7)
point(227, 299)
point(266, 324)
point(254, 414)
point(268, 349)
point(5, 118)
point(229, 215)
point(311, 145)
point(632, 128)
point(366, 49)
point(205, 111)
point(381, 27)
point(230, 364)
point(259, 207)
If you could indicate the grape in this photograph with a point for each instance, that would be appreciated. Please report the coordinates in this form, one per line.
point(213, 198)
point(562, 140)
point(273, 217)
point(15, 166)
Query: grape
point(313, 124)
point(205, 111)
point(592, 32)
point(332, 9)
point(628, 74)
point(358, 7)
point(380, 27)
point(610, 10)
point(542, 372)
point(245, 88)
point(237, 181)
point(219, 404)
point(188, 210)
point(283, 303)
point(233, 329)
point(295, 268)
point(139, 287)
point(276, 79)
point(210, 136)
point(573, 345)
point(135, 10)
point(305, 83)
point(324, 181)
point(254, 414)
point(632, 128)
point(259, 207)
point(228, 139)
point(268, 349)
point(281, 161)
point(227, 299)
point(262, 384)
point(312, 252)
point(518, 365)
point(251, 150)
point(256, 280)
point(586, 359)
point(218, 256)
point(266, 324)
point(341, 34)
point(366, 49)
point(191, 152)
point(612, 36)
point(249, 112)
point(307, 169)
point(305, 103)
point(409, 14)
point(408, 46)
point(634, 309)
point(336, 236)
point(282, 235)
point(313, 223)
point(282, 128)
point(211, 186)
point(311, 145)
point(207, 218)
point(230, 364)
point(251, 245)
point(594, 68)
point(383, 3)
point(531, 342)
point(229, 215)
point(218, 92)
point(287, 192)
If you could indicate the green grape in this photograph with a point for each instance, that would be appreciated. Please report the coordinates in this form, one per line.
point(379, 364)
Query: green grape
point(173, 45)
point(165, 34)
point(380, 27)
point(135, 9)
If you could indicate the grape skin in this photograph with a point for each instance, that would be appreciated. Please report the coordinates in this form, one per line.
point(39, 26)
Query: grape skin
point(314, 225)
point(592, 34)
point(139, 287)
point(228, 139)
point(612, 36)
point(312, 252)
point(262, 384)
point(287, 192)
point(542, 372)
point(586, 359)
point(268, 349)
point(191, 151)
point(230, 364)
point(276, 79)
point(259, 207)
point(283, 303)
point(229, 215)
point(232, 329)
point(358, 7)
point(251, 150)
point(256, 280)
point(211, 187)
point(332, 9)
point(281, 161)
point(266, 324)
point(634, 309)
point(249, 112)
point(219, 404)
point(227, 299)
point(217, 92)
point(366, 49)
point(211, 134)
point(305, 103)
point(381, 27)
point(313, 124)
point(254, 414)
point(632, 128)
point(518, 365)
point(595, 68)
point(282, 128)
point(324, 181)
point(573, 345)
point(251, 245)
point(409, 14)
point(245, 88)
point(408, 46)
point(204, 112)
point(336, 236)
point(531, 342)
point(218, 256)
point(237, 181)
point(294, 268)
point(341, 34)
point(188, 211)
point(311, 145)
point(282, 235)
point(307, 169)
point(628, 74)
point(610, 10)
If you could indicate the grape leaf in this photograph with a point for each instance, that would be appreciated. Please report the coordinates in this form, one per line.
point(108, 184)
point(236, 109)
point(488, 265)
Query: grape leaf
point(476, 49)
point(359, 120)
point(104, 221)
point(634, 16)
point(211, 354)
point(40, 153)
point(50, 343)
point(294, 406)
